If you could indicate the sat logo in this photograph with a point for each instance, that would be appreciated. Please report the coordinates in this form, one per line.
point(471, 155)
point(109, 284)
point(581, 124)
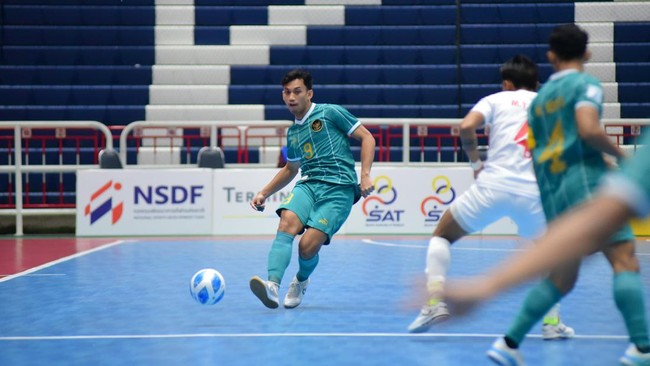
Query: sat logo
point(444, 194)
point(107, 206)
point(375, 206)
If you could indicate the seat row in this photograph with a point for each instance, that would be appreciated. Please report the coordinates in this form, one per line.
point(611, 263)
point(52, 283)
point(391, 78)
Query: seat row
point(423, 74)
point(75, 94)
point(112, 12)
point(374, 74)
point(124, 114)
point(272, 74)
point(14, 35)
point(260, 2)
point(369, 94)
point(441, 55)
point(135, 95)
point(75, 75)
point(402, 55)
point(316, 35)
point(44, 13)
point(108, 114)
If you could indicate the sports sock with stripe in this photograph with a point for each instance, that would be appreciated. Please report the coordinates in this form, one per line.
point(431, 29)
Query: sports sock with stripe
point(538, 302)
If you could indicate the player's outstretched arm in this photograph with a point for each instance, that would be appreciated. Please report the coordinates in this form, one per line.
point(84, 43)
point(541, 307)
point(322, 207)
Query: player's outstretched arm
point(279, 181)
point(574, 235)
point(591, 131)
point(367, 157)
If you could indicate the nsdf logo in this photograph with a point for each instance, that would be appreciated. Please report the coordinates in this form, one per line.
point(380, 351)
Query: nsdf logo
point(105, 195)
point(444, 194)
point(377, 208)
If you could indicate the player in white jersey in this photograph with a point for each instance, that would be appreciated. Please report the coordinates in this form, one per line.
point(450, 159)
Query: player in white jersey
point(505, 187)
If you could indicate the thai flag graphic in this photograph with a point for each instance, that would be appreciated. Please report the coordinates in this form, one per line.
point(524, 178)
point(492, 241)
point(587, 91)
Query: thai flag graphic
point(107, 206)
point(522, 139)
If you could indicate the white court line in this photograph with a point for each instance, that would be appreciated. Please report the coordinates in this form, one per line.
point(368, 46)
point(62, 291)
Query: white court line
point(290, 335)
point(38, 274)
point(386, 244)
point(61, 260)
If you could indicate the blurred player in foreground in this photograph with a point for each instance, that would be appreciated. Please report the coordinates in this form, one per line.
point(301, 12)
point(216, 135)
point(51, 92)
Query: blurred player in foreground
point(567, 143)
point(623, 195)
point(505, 187)
point(318, 146)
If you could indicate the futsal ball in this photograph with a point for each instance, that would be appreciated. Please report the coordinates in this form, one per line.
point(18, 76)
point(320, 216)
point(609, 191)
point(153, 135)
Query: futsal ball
point(207, 286)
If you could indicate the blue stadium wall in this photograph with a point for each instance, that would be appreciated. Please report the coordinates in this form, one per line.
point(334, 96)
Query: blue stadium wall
point(97, 60)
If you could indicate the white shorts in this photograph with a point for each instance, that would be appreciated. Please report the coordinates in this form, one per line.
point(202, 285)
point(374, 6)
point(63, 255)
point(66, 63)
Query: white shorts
point(480, 206)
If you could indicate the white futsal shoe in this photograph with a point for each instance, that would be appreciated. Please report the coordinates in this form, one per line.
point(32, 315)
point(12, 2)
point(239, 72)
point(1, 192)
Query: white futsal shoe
point(503, 355)
point(296, 291)
point(557, 331)
point(633, 357)
point(266, 291)
point(429, 315)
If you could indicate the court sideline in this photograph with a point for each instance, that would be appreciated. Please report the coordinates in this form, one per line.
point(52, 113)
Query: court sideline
point(116, 301)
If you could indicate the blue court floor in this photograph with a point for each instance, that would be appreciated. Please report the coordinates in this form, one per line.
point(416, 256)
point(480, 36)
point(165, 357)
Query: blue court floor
point(128, 303)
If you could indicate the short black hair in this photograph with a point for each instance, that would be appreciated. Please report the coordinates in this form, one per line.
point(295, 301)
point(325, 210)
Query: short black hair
point(568, 42)
point(304, 75)
point(521, 71)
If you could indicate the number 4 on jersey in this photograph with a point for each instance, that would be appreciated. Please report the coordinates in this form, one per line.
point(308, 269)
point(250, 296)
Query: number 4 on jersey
point(553, 150)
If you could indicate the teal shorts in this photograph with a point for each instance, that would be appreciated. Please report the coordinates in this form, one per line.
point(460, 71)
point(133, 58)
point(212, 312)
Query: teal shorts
point(320, 205)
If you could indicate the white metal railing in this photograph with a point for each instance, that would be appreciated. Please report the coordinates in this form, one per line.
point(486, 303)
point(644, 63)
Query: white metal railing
point(407, 123)
point(213, 125)
point(18, 168)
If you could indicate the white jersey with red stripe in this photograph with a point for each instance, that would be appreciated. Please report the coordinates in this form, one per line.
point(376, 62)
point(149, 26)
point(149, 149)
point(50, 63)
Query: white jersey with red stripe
point(509, 166)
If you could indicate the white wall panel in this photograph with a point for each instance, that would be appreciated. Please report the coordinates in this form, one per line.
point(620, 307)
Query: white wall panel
point(268, 35)
point(212, 55)
point(307, 15)
point(188, 94)
point(205, 113)
point(191, 74)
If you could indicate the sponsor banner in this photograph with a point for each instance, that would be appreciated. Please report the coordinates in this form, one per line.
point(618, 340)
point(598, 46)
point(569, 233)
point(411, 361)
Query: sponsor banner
point(641, 227)
point(144, 202)
point(408, 200)
point(234, 189)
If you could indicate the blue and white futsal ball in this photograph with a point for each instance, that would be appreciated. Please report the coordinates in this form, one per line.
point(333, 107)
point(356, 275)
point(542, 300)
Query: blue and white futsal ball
point(207, 286)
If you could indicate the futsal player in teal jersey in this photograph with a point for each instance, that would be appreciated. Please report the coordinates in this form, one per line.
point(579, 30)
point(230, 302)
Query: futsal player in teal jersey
point(623, 195)
point(318, 146)
point(567, 144)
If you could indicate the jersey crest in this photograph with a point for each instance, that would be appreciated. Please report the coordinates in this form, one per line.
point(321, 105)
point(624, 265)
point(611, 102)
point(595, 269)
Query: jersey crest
point(317, 125)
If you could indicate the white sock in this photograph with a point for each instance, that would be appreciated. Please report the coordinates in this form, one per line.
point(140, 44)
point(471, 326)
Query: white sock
point(438, 259)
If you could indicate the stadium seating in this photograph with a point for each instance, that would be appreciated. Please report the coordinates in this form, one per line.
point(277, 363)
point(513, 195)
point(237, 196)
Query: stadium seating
point(74, 60)
point(120, 61)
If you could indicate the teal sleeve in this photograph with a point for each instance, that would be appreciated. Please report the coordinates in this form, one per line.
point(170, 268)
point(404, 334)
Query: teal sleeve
point(590, 92)
point(342, 118)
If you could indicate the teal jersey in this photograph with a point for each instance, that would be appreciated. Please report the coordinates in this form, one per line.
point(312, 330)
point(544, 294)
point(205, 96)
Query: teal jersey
point(567, 168)
point(320, 141)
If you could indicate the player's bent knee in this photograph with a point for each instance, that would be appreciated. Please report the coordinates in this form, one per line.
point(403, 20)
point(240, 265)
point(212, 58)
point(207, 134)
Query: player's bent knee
point(307, 251)
point(622, 257)
point(290, 225)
